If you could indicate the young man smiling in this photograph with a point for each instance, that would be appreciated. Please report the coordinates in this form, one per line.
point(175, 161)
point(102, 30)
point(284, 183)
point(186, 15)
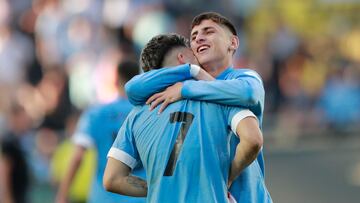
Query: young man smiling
point(214, 41)
point(184, 150)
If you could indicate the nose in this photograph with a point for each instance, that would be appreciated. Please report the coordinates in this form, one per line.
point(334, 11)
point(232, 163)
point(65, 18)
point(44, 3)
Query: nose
point(199, 38)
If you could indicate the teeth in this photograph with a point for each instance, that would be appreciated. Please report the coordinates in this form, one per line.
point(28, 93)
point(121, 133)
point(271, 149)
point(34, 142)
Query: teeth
point(202, 48)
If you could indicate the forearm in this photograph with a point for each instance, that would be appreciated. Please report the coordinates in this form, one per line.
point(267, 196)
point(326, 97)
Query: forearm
point(245, 92)
point(117, 179)
point(142, 86)
point(129, 185)
point(251, 141)
point(245, 154)
point(68, 178)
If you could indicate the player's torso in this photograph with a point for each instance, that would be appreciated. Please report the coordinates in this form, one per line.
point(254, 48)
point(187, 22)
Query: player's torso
point(185, 151)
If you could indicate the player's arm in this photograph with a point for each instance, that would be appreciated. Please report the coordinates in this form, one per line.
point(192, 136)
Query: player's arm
point(142, 86)
point(122, 158)
point(65, 184)
point(251, 141)
point(245, 90)
point(82, 140)
point(5, 179)
point(117, 179)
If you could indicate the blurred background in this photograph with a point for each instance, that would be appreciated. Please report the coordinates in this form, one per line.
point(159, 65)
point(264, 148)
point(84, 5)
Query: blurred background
point(57, 57)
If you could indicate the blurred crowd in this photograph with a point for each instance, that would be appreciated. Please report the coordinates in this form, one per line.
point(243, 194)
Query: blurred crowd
point(58, 57)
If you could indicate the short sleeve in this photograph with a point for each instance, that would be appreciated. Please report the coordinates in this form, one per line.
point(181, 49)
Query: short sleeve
point(124, 147)
point(235, 115)
point(83, 134)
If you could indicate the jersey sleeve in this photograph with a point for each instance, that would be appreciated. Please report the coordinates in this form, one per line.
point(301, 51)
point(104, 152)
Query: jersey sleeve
point(83, 135)
point(142, 86)
point(235, 115)
point(124, 147)
point(244, 90)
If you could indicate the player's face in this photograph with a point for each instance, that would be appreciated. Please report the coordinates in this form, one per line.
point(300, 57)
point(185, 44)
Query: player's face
point(210, 43)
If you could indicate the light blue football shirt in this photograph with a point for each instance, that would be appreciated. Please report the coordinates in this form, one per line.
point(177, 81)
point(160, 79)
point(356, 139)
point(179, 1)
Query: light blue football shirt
point(234, 87)
point(98, 128)
point(184, 150)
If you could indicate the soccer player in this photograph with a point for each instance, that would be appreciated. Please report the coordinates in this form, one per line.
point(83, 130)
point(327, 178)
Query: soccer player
point(213, 41)
point(184, 150)
point(97, 128)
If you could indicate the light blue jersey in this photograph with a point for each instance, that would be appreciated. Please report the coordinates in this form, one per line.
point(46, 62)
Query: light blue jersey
point(235, 87)
point(98, 128)
point(184, 150)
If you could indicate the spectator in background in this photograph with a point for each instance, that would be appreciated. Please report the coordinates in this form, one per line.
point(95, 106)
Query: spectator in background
point(98, 128)
point(14, 174)
point(80, 186)
point(340, 99)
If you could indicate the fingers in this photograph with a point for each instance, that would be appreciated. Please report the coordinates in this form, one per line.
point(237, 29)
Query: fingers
point(156, 102)
point(164, 105)
point(153, 97)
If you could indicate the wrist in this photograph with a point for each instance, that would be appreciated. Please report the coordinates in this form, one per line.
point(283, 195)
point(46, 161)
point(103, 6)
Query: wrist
point(194, 70)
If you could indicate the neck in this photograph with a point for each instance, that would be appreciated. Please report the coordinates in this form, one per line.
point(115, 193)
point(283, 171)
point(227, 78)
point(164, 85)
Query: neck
point(171, 64)
point(215, 69)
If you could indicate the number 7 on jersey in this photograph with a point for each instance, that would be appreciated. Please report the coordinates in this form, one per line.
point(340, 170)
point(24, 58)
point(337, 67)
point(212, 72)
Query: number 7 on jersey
point(186, 119)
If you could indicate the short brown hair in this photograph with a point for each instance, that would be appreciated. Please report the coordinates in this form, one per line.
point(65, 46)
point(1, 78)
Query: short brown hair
point(216, 17)
point(152, 56)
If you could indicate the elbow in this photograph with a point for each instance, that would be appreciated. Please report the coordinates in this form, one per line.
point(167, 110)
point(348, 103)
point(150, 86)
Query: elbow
point(131, 89)
point(107, 183)
point(252, 100)
point(253, 141)
point(256, 142)
point(254, 95)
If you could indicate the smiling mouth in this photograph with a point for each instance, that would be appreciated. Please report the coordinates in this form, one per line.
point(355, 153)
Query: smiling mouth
point(202, 48)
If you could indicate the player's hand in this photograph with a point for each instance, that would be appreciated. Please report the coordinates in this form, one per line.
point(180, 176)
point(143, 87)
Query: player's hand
point(168, 96)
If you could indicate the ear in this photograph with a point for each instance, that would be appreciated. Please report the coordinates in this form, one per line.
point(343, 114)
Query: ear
point(181, 58)
point(234, 43)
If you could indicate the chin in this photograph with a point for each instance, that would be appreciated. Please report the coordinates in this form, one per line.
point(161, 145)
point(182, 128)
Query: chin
point(204, 62)
point(202, 59)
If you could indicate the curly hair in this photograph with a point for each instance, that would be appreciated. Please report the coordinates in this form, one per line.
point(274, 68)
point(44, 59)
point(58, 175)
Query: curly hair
point(152, 56)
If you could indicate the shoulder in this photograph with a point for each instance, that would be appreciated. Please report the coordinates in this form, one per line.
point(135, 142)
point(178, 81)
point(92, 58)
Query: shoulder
point(246, 72)
point(205, 106)
point(118, 106)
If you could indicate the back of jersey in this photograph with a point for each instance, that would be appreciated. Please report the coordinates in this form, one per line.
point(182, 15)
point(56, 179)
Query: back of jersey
point(184, 150)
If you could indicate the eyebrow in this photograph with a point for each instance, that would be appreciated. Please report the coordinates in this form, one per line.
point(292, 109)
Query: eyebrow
point(194, 33)
point(204, 29)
